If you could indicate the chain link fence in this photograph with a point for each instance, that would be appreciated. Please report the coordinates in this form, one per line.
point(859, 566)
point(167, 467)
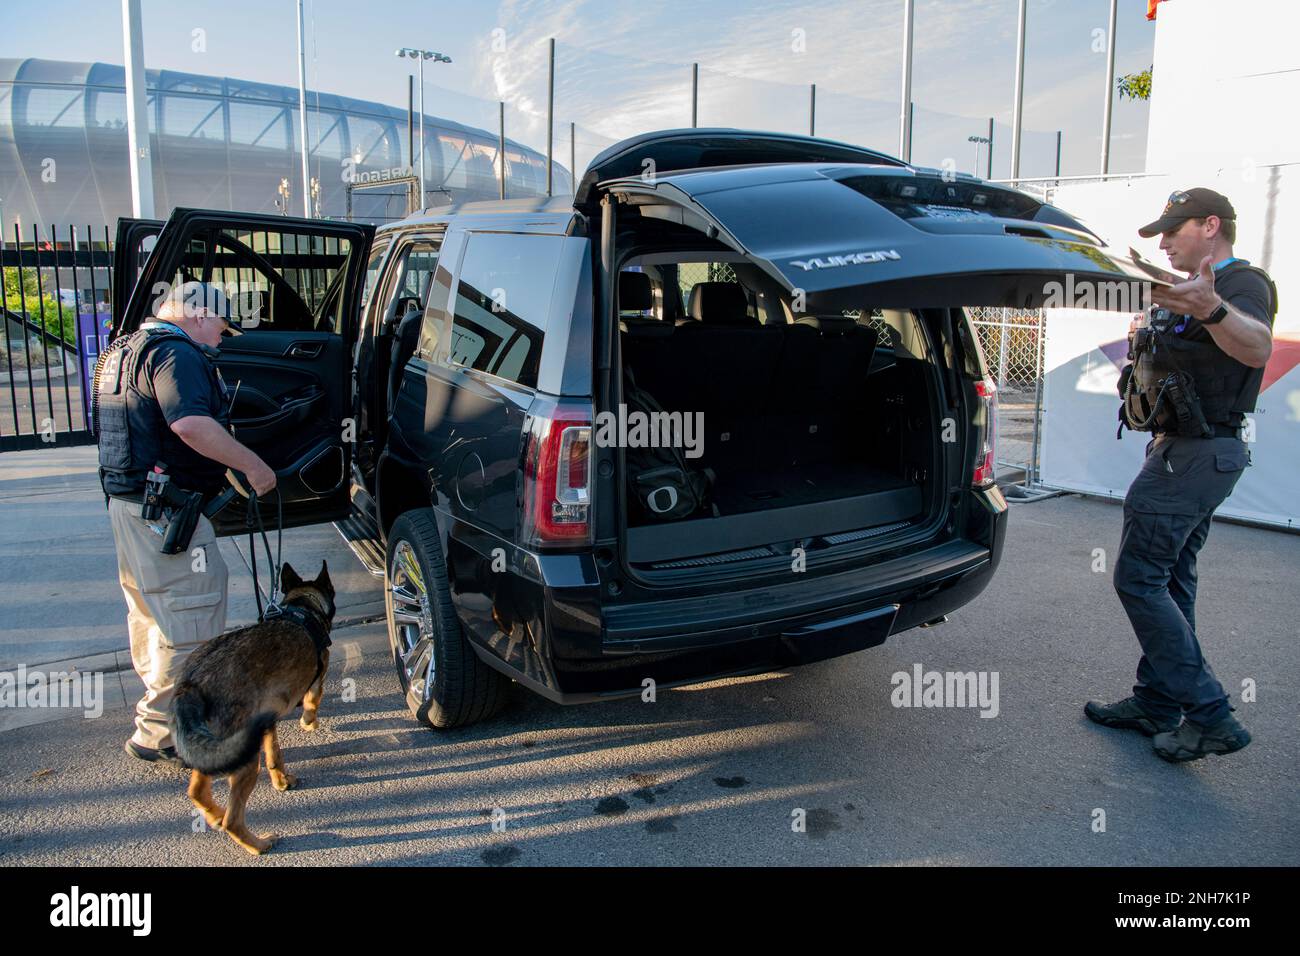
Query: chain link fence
point(1012, 341)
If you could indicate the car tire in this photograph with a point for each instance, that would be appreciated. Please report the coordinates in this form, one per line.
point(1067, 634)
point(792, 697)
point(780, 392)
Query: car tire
point(443, 680)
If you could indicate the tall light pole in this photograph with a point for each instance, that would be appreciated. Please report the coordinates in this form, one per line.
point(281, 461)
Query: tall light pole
point(302, 111)
point(137, 114)
point(978, 141)
point(1019, 104)
point(420, 56)
point(1110, 92)
point(905, 109)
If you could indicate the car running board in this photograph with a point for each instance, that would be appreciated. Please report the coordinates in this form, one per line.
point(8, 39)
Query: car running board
point(362, 537)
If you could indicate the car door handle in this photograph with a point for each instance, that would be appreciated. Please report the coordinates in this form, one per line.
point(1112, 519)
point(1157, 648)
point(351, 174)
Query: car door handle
point(304, 350)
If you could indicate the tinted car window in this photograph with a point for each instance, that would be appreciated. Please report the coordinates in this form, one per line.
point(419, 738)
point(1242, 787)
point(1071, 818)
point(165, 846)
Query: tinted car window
point(502, 300)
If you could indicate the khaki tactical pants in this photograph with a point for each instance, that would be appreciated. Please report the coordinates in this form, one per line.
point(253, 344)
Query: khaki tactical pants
point(174, 603)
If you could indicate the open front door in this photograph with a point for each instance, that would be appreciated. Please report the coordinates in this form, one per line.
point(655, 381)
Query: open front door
point(135, 241)
point(855, 235)
point(295, 283)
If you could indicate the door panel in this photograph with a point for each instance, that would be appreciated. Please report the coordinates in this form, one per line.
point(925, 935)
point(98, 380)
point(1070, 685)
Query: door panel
point(295, 284)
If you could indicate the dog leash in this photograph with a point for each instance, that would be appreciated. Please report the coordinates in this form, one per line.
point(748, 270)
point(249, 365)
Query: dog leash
point(254, 516)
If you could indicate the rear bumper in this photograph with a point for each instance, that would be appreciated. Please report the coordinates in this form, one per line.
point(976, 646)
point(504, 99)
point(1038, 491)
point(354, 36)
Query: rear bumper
point(543, 623)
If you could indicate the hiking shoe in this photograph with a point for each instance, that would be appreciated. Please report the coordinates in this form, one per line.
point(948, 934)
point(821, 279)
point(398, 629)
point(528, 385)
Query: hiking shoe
point(1192, 741)
point(165, 755)
point(1128, 714)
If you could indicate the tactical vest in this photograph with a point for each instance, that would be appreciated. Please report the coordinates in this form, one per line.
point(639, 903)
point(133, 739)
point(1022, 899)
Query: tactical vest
point(128, 423)
point(1183, 387)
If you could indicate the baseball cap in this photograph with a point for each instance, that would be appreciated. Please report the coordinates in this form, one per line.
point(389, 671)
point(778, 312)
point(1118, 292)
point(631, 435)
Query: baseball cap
point(1184, 204)
point(193, 295)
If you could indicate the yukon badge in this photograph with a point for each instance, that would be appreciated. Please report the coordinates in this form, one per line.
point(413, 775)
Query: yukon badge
point(852, 259)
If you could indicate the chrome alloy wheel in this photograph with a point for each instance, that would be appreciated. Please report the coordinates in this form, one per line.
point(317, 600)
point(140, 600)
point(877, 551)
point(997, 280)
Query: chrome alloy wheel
point(411, 630)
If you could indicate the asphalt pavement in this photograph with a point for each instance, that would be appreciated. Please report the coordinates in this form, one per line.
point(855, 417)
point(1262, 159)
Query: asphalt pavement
point(812, 765)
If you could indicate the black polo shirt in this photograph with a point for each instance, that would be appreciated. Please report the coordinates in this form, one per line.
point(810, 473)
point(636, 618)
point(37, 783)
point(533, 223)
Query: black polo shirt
point(184, 381)
point(1249, 293)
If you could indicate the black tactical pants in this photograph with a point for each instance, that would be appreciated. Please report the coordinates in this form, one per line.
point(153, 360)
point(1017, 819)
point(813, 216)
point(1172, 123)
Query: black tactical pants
point(1166, 520)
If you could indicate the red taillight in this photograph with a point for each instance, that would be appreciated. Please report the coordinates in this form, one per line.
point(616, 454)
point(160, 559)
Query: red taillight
point(988, 433)
point(557, 476)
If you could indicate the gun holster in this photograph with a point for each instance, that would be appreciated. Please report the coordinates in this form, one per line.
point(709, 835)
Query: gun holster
point(186, 506)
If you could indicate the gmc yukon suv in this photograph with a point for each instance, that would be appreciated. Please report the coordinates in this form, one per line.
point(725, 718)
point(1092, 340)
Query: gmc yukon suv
point(437, 388)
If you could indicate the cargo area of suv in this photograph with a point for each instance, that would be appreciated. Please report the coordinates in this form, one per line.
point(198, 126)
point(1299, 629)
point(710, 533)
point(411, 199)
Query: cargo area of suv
point(815, 429)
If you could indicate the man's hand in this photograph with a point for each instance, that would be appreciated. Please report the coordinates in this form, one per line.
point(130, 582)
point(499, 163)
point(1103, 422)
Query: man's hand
point(1241, 336)
point(262, 478)
point(1195, 297)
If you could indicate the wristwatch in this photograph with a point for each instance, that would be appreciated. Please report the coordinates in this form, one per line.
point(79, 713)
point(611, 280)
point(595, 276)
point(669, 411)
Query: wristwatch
point(1218, 315)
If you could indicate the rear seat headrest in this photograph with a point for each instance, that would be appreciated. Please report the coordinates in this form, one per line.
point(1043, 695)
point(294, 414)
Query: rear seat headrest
point(634, 292)
point(827, 323)
point(719, 303)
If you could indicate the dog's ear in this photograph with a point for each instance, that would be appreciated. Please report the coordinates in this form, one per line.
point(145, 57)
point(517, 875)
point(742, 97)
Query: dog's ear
point(323, 579)
point(289, 578)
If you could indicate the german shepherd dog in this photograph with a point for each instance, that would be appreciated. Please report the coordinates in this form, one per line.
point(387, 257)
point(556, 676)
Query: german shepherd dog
point(234, 689)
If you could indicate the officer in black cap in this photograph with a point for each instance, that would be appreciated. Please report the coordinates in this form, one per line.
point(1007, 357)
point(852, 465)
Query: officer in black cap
point(161, 411)
point(1198, 362)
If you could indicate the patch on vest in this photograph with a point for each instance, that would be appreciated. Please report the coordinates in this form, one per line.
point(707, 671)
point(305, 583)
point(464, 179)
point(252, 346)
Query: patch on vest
point(110, 376)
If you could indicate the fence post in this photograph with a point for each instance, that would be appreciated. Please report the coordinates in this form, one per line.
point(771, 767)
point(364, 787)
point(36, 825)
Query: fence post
point(1031, 473)
point(1002, 349)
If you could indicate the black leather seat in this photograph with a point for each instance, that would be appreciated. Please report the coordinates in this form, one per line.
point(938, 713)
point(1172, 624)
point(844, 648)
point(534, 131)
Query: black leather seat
point(646, 342)
point(728, 367)
point(827, 408)
point(405, 337)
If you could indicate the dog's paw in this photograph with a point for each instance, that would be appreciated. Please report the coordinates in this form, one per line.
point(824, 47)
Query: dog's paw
point(306, 724)
point(215, 820)
point(284, 781)
point(257, 845)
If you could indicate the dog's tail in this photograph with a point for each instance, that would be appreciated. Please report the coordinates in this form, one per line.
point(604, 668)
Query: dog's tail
point(203, 750)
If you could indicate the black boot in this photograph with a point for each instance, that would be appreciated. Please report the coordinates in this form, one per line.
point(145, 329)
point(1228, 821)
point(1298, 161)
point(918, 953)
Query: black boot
point(1128, 714)
point(1193, 741)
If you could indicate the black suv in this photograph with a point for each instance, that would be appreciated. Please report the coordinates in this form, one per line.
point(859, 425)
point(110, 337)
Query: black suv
point(458, 392)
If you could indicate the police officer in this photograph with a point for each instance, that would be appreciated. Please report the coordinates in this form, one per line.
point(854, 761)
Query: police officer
point(1196, 372)
point(160, 403)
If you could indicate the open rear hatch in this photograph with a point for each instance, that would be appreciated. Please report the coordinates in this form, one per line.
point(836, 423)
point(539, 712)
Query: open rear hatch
point(820, 343)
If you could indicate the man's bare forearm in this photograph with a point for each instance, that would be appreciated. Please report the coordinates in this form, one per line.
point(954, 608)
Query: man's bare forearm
point(1247, 340)
point(206, 436)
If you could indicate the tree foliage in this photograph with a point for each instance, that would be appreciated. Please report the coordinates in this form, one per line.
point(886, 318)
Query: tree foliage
point(1136, 86)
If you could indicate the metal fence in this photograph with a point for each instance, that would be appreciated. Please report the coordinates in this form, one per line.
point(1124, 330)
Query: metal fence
point(55, 291)
point(1013, 346)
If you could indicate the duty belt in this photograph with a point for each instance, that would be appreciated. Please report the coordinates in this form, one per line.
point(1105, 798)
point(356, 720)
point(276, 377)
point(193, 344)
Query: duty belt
point(1219, 429)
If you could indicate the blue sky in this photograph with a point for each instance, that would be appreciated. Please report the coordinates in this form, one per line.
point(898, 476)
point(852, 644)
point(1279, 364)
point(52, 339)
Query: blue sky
point(624, 66)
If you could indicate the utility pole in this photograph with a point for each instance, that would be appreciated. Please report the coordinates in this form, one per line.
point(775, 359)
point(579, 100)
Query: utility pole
point(302, 112)
point(905, 109)
point(501, 144)
point(1018, 106)
point(989, 175)
point(137, 116)
point(550, 123)
point(812, 111)
point(695, 95)
point(1110, 91)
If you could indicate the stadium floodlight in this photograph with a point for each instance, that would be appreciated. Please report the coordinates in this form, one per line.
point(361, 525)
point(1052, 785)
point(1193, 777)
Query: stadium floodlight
point(420, 56)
